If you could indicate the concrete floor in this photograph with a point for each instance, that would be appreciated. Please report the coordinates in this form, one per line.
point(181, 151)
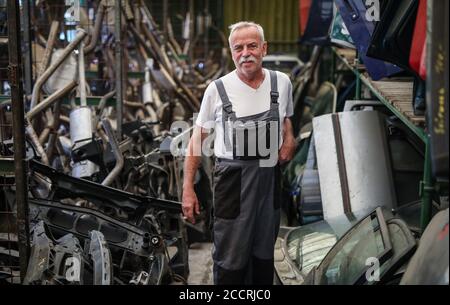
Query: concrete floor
point(200, 264)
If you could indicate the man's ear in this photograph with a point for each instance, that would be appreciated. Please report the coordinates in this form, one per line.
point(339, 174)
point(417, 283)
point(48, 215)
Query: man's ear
point(265, 48)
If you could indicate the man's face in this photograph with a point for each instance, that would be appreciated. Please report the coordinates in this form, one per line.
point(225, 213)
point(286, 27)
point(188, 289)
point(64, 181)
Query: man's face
point(247, 51)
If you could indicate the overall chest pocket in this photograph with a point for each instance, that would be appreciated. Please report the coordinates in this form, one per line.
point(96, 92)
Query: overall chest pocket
point(227, 191)
point(254, 139)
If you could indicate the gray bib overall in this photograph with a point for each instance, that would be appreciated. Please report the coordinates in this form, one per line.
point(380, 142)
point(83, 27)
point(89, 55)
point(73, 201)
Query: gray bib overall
point(246, 198)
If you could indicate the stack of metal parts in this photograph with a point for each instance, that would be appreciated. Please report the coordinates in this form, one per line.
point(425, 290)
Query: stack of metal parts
point(104, 187)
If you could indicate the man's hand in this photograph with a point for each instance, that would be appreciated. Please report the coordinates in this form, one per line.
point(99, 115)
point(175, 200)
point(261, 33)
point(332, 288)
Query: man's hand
point(190, 204)
point(287, 150)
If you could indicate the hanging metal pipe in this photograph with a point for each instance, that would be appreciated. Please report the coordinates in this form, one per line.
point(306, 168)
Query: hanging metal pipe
point(128, 12)
point(51, 99)
point(142, 41)
point(156, 46)
point(54, 133)
point(101, 106)
point(154, 117)
point(44, 134)
point(62, 155)
point(147, 89)
point(117, 154)
point(48, 48)
point(81, 34)
point(97, 27)
point(31, 133)
point(172, 41)
point(51, 145)
point(191, 101)
point(82, 76)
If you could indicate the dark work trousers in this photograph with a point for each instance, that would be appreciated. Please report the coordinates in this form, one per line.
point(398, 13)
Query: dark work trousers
point(246, 221)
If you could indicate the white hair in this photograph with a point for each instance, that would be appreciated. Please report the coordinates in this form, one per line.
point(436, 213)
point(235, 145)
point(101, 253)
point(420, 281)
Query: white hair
point(245, 24)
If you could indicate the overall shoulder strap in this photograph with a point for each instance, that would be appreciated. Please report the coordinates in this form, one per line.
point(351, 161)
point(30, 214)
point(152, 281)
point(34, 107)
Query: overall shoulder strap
point(273, 87)
point(226, 104)
point(227, 112)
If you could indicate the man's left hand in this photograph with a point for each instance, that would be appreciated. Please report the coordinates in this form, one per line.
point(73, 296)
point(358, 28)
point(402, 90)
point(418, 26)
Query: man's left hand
point(287, 150)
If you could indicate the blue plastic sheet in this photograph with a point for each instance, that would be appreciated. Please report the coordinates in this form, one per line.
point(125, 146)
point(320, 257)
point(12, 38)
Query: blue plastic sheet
point(353, 13)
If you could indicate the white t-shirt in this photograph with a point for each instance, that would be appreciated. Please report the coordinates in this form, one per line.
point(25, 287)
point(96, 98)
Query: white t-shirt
point(245, 101)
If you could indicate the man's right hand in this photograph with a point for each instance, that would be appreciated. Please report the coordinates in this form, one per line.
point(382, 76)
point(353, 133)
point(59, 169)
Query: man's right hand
point(191, 206)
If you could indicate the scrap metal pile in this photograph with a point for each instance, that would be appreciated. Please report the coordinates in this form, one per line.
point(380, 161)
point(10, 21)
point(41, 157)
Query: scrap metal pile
point(104, 187)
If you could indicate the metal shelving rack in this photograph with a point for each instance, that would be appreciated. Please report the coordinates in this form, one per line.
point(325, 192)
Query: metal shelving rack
point(13, 170)
point(400, 105)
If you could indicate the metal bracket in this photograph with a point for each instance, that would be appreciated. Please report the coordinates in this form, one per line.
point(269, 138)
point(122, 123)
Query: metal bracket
point(423, 187)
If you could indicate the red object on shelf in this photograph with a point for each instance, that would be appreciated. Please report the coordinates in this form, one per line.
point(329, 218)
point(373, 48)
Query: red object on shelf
point(423, 63)
point(304, 8)
point(419, 38)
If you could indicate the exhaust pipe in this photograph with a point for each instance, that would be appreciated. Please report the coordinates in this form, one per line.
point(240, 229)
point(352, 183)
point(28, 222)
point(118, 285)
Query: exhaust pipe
point(80, 134)
point(117, 154)
point(98, 23)
point(81, 34)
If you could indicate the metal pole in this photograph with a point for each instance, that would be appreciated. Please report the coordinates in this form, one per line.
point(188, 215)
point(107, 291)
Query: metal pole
point(206, 34)
point(15, 81)
point(191, 31)
point(119, 68)
point(82, 76)
point(165, 20)
point(427, 188)
point(28, 58)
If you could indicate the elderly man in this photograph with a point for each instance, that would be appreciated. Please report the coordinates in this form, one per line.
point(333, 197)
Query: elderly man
point(249, 110)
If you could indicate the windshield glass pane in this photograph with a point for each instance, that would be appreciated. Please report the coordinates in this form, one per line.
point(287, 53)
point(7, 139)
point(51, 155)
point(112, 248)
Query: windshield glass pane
point(308, 245)
point(351, 253)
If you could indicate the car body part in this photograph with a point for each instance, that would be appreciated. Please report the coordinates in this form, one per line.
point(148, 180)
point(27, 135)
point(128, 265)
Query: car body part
point(351, 105)
point(353, 13)
point(375, 240)
point(101, 257)
point(392, 36)
point(354, 166)
point(300, 249)
point(336, 251)
point(48, 260)
point(339, 34)
point(64, 186)
point(429, 265)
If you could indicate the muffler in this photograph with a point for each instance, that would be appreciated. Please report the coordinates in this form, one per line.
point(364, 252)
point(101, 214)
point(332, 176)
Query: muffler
point(81, 134)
